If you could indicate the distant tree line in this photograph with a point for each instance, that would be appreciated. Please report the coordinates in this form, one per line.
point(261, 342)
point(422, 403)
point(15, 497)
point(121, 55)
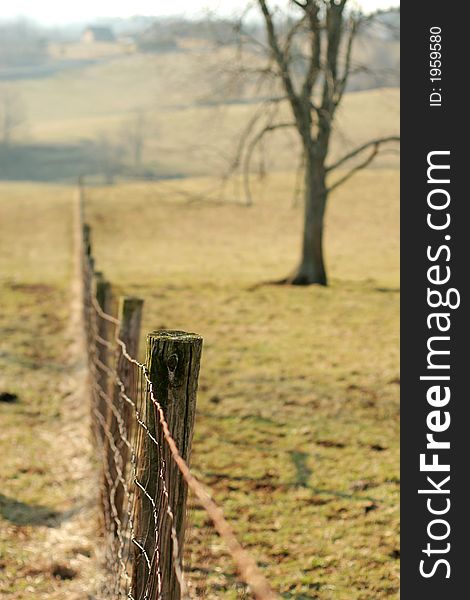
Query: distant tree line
point(21, 43)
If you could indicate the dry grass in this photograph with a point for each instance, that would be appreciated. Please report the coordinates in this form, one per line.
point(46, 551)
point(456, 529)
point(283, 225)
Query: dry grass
point(47, 500)
point(297, 426)
point(297, 430)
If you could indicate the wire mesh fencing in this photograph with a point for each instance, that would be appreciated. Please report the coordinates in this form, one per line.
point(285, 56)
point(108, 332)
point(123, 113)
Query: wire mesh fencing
point(142, 416)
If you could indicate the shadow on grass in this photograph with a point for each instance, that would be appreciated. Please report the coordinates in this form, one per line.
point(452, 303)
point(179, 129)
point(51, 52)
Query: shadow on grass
point(35, 364)
point(21, 513)
point(47, 162)
point(255, 418)
point(271, 484)
point(388, 290)
point(303, 471)
point(66, 162)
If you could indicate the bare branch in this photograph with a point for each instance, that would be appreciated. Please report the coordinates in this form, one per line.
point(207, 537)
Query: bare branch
point(312, 11)
point(266, 70)
point(353, 171)
point(334, 26)
point(299, 4)
point(248, 130)
point(373, 143)
point(249, 153)
point(341, 84)
point(279, 56)
point(245, 35)
point(296, 27)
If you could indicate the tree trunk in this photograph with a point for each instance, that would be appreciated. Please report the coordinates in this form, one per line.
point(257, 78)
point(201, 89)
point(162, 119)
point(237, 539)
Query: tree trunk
point(312, 266)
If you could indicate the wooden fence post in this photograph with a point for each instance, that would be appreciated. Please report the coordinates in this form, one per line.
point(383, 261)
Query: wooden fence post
point(130, 317)
point(86, 264)
point(102, 291)
point(173, 359)
point(81, 201)
point(86, 233)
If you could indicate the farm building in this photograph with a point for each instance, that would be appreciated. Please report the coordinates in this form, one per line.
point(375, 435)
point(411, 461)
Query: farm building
point(98, 34)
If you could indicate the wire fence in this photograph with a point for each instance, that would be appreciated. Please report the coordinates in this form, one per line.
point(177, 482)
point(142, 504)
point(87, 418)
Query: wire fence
point(142, 417)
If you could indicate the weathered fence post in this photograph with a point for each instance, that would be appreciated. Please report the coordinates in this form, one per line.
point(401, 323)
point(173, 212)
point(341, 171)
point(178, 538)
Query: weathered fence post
point(87, 266)
point(86, 236)
point(102, 291)
point(129, 316)
point(173, 359)
point(81, 198)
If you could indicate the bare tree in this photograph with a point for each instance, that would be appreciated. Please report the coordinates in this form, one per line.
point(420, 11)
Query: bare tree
point(136, 133)
point(310, 58)
point(11, 115)
point(109, 156)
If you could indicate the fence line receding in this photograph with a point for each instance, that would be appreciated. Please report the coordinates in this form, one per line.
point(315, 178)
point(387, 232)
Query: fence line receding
point(142, 417)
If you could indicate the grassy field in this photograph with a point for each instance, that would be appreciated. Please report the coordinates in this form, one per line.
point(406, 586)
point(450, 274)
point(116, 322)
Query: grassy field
point(297, 424)
point(193, 108)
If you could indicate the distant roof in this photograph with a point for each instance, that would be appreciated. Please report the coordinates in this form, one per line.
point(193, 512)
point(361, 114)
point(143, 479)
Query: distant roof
point(101, 34)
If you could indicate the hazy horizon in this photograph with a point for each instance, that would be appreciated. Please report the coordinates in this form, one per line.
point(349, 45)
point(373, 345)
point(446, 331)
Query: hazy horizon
point(55, 12)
